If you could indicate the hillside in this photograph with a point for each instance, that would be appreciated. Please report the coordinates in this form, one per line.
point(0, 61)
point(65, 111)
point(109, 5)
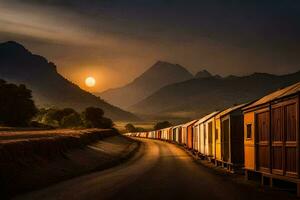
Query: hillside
point(18, 65)
point(196, 97)
point(156, 77)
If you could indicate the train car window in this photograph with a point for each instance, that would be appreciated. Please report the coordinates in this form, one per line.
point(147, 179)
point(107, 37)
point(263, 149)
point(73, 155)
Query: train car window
point(249, 131)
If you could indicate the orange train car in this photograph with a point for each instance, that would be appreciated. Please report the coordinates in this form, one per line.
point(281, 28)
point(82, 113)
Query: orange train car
point(158, 134)
point(165, 133)
point(229, 137)
point(271, 136)
point(187, 134)
point(151, 134)
point(170, 134)
point(177, 132)
point(204, 132)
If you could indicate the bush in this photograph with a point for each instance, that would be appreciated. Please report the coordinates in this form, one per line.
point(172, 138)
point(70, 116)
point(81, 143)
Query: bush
point(58, 115)
point(66, 117)
point(71, 121)
point(93, 118)
point(140, 129)
point(106, 123)
point(130, 128)
point(48, 117)
point(16, 105)
point(69, 118)
point(161, 125)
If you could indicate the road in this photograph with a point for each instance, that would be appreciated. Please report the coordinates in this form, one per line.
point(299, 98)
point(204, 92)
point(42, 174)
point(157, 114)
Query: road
point(159, 170)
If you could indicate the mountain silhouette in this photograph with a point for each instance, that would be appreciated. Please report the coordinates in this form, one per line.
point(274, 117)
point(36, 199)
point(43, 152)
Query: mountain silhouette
point(203, 74)
point(18, 65)
point(156, 77)
point(196, 97)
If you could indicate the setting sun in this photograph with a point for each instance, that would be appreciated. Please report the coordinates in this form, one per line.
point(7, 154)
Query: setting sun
point(90, 81)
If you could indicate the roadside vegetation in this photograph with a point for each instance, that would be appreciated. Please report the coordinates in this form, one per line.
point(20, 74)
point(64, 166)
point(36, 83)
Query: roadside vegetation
point(161, 125)
point(16, 105)
point(91, 117)
point(131, 128)
point(17, 109)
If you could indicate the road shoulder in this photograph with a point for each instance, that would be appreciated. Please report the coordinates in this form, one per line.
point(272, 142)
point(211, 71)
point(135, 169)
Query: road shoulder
point(39, 172)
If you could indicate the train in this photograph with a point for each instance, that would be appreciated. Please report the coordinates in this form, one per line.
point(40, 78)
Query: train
point(260, 137)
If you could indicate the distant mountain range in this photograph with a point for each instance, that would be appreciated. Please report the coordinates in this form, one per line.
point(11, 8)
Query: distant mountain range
point(164, 91)
point(18, 65)
point(170, 92)
point(156, 77)
point(205, 93)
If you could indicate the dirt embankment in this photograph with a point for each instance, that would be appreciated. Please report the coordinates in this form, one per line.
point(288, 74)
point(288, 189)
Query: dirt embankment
point(33, 159)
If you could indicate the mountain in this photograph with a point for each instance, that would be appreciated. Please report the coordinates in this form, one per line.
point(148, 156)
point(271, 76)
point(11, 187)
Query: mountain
point(49, 88)
point(203, 74)
point(196, 97)
point(157, 76)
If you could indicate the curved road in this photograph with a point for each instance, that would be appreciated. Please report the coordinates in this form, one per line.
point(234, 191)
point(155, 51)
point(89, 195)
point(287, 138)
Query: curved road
point(158, 171)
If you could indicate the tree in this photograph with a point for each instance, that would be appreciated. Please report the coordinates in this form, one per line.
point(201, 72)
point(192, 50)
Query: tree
point(106, 123)
point(93, 118)
point(140, 129)
point(130, 128)
point(16, 105)
point(49, 117)
point(40, 114)
point(66, 117)
point(161, 125)
point(71, 121)
point(58, 115)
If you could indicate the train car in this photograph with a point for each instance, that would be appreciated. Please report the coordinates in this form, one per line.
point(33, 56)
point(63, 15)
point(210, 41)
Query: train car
point(165, 133)
point(209, 138)
point(229, 137)
point(271, 139)
point(195, 137)
point(144, 134)
point(151, 134)
point(199, 137)
point(170, 134)
point(187, 134)
point(158, 134)
point(176, 131)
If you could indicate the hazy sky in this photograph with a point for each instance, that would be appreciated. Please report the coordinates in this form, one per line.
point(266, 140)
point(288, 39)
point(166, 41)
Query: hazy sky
point(116, 40)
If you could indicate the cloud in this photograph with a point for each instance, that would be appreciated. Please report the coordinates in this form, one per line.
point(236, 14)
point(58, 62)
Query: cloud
point(126, 36)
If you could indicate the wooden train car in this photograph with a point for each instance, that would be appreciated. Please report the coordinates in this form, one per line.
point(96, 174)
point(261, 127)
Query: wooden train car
point(271, 140)
point(200, 135)
point(209, 137)
point(170, 134)
point(144, 134)
point(158, 134)
point(229, 137)
point(165, 134)
point(187, 134)
point(176, 132)
point(151, 134)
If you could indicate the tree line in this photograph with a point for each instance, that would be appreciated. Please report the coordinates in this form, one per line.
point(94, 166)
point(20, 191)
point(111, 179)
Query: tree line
point(17, 109)
point(159, 125)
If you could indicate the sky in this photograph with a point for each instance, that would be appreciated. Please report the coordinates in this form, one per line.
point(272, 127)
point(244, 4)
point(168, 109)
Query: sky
point(116, 40)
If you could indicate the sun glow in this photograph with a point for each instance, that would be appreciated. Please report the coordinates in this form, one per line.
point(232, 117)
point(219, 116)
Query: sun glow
point(90, 81)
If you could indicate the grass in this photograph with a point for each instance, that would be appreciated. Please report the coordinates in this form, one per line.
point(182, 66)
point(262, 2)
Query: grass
point(13, 135)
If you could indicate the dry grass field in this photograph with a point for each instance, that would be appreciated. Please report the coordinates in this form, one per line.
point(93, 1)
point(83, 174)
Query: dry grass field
point(14, 135)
